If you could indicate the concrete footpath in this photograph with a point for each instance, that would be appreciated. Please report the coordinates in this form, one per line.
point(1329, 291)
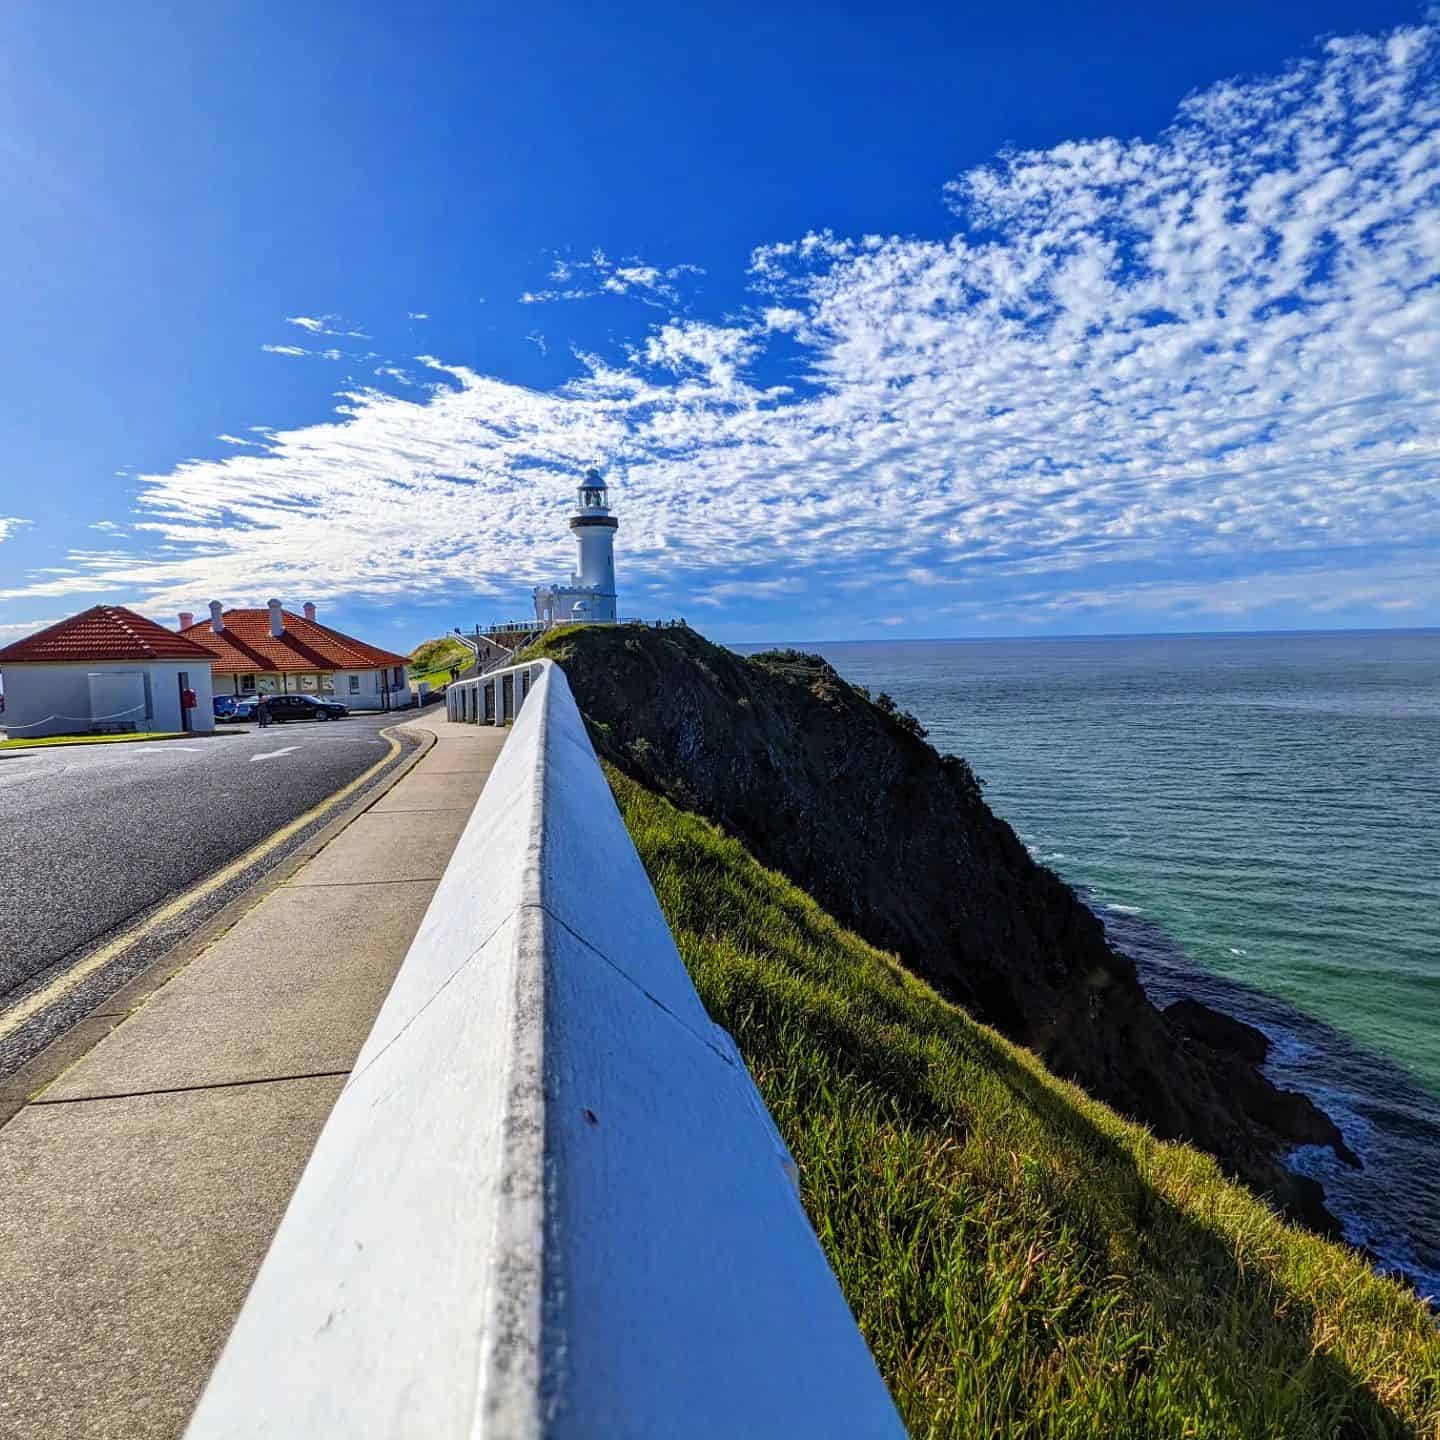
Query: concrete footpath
point(140, 1190)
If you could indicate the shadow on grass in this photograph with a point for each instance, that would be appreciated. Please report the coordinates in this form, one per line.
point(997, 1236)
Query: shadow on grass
point(1237, 1323)
point(1232, 1326)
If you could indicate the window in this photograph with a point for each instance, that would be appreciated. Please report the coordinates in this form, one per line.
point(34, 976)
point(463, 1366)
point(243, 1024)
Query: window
point(354, 684)
point(247, 683)
point(399, 675)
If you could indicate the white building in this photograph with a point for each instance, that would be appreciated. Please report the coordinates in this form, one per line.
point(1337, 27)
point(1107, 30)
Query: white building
point(273, 651)
point(590, 593)
point(105, 669)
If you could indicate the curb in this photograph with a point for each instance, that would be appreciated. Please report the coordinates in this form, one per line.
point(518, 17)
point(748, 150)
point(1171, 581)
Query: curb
point(73, 1044)
point(68, 742)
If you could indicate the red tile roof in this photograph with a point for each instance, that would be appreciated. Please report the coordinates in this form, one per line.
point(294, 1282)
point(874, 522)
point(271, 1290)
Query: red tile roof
point(245, 646)
point(103, 632)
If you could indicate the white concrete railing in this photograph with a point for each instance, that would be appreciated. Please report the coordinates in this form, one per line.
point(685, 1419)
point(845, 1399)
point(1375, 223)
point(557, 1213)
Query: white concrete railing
point(487, 699)
point(549, 1200)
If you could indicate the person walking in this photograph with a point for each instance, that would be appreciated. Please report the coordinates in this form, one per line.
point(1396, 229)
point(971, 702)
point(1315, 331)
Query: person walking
point(262, 714)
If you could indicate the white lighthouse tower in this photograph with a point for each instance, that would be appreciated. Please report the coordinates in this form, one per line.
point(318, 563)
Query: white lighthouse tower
point(590, 595)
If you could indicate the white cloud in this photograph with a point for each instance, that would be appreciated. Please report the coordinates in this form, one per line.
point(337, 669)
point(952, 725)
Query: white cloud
point(18, 629)
point(9, 524)
point(327, 325)
point(417, 315)
point(1408, 583)
point(716, 351)
point(1196, 374)
point(330, 353)
point(599, 275)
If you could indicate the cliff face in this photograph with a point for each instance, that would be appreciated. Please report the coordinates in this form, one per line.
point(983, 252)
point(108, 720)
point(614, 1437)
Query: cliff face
point(896, 841)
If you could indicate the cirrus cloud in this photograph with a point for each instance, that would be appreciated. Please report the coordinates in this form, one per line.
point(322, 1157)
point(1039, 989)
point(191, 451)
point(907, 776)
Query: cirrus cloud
point(1198, 373)
point(599, 275)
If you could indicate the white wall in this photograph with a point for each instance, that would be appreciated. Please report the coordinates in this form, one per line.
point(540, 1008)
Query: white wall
point(597, 558)
point(329, 687)
point(370, 696)
point(549, 1201)
point(56, 699)
point(166, 688)
point(557, 604)
point(47, 700)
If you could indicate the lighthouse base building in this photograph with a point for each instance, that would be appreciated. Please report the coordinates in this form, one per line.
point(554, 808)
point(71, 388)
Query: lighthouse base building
point(589, 595)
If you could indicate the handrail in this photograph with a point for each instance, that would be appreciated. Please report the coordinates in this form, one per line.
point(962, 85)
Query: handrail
point(481, 698)
point(549, 1201)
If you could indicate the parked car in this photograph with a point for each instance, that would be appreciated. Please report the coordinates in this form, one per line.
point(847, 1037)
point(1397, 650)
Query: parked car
point(304, 707)
point(234, 707)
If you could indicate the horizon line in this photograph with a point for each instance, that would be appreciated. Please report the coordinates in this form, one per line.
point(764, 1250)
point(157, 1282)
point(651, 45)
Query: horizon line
point(1114, 635)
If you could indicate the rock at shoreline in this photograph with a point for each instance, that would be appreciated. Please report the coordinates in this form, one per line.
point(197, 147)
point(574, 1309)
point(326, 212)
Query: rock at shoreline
point(1236, 1052)
point(1219, 1031)
point(843, 796)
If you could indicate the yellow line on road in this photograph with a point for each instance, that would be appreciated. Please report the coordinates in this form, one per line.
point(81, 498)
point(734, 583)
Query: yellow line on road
point(61, 986)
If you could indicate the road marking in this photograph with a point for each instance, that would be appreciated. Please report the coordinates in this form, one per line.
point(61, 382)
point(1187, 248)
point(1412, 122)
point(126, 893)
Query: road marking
point(271, 754)
point(59, 987)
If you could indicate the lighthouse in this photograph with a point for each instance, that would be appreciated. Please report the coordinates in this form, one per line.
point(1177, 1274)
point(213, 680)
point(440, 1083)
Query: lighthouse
point(590, 593)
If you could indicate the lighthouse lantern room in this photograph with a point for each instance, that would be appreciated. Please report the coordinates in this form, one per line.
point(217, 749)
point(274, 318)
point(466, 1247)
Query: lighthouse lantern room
point(590, 593)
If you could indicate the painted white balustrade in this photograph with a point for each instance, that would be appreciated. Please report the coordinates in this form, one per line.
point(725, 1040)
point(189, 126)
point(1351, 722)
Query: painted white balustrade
point(486, 699)
point(549, 1200)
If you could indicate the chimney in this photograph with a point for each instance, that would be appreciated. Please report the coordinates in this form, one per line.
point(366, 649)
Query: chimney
point(217, 624)
point(277, 620)
point(186, 619)
point(310, 610)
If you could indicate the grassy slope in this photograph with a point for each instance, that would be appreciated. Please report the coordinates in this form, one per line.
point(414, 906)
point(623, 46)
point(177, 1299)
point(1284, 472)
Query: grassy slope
point(431, 660)
point(1021, 1259)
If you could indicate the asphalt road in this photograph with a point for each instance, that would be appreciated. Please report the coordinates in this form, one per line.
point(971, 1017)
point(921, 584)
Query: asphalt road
point(93, 837)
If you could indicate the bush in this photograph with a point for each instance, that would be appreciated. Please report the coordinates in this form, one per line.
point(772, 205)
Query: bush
point(903, 719)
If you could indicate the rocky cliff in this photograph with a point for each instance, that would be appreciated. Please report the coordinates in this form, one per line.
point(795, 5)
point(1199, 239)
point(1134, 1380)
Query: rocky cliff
point(846, 798)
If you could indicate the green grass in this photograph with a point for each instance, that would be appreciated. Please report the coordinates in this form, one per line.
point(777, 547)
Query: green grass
point(1022, 1260)
point(430, 662)
point(47, 740)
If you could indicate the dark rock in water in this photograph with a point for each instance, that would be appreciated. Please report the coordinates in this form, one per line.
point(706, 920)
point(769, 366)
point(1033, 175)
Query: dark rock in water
point(843, 796)
point(1236, 1051)
point(1295, 1116)
point(1220, 1032)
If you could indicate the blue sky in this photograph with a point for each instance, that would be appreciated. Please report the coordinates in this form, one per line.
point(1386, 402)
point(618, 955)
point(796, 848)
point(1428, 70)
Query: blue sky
point(909, 320)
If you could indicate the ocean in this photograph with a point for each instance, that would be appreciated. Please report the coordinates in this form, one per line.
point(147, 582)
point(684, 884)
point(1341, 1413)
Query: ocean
point(1256, 818)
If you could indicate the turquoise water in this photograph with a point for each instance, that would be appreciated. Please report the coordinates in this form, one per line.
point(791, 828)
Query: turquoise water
point(1255, 819)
